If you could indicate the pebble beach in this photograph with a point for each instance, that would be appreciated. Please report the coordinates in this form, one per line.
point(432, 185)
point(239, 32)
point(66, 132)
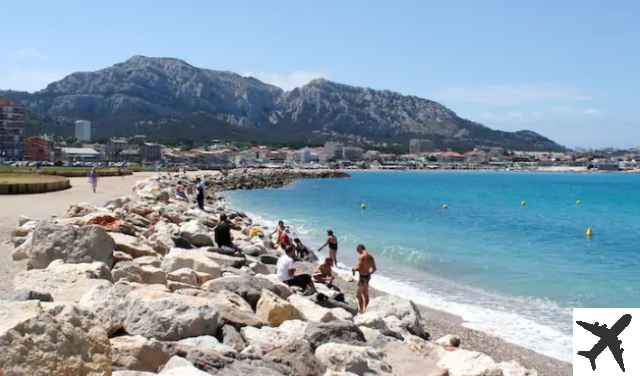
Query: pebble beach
point(275, 333)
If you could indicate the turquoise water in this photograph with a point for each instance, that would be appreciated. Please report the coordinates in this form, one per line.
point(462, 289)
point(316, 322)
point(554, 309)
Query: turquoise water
point(509, 270)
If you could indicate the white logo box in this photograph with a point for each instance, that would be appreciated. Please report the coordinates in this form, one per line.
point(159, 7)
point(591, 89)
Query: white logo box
point(623, 320)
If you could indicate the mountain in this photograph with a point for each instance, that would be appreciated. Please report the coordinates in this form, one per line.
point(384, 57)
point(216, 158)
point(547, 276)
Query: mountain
point(168, 99)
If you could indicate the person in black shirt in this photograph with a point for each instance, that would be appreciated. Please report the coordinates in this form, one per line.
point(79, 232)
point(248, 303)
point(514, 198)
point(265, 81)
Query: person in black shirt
point(222, 234)
point(301, 250)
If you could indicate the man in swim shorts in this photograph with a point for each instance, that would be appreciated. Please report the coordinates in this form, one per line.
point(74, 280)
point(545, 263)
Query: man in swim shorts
point(332, 242)
point(366, 267)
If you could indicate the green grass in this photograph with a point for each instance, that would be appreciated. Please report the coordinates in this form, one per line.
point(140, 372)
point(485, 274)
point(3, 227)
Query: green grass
point(19, 178)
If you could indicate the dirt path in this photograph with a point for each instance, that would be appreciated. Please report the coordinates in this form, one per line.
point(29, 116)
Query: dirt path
point(39, 206)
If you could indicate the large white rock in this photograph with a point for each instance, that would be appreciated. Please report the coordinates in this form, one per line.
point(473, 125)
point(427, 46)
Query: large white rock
point(25, 228)
point(313, 312)
point(138, 353)
point(233, 309)
point(132, 245)
point(42, 339)
point(275, 310)
point(469, 363)
point(268, 338)
point(424, 349)
point(403, 309)
point(106, 302)
point(405, 362)
point(184, 275)
point(161, 240)
point(117, 203)
point(355, 359)
point(207, 343)
point(371, 320)
point(152, 275)
point(254, 250)
point(65, 282)
point(192, 259)
point(196, 233)
point(169, 317)
point(71, 245)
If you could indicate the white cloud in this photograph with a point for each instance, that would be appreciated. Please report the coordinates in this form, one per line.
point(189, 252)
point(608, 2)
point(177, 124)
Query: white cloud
point(291, 80)
point(512, 95)
point(537, 113)
point(559, 109)
point(29, 54)
point(27, 79)
point(593, 111)
point(515, 114)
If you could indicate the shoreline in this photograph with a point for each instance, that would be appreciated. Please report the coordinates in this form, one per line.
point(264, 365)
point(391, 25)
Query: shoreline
point(440, 323)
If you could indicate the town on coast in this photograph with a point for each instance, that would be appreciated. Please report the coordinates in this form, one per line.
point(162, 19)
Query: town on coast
point(137, 286)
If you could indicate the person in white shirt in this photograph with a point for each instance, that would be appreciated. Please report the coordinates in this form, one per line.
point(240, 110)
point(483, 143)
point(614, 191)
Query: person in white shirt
point(286, 272)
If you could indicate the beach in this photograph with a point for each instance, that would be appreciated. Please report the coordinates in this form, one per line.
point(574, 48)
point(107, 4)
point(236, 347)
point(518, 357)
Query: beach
point(436, 322)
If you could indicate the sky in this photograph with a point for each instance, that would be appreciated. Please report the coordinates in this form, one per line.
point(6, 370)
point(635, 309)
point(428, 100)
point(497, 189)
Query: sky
point(568, 69)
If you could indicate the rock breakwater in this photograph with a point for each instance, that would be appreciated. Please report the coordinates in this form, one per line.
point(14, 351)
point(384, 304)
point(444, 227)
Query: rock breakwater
point(138, 287)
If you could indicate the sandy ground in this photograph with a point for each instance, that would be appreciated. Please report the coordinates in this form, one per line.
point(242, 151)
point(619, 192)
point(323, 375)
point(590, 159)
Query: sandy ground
point(44, 205)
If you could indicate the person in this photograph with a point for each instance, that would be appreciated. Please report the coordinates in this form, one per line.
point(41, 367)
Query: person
point(279, 229)
point(222, 234)
point(284, 240)
point(301, 250)
point(332, 242)
point(93, 179)
point(365, 268)
point(201, 191)
point(323, 273)
point(286, 272)
point(180, 191)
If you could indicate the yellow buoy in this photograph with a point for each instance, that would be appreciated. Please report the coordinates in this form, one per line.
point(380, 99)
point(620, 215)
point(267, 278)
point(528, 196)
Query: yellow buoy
point(444, 206)
point(578, 202)
point(523, 203)
point(363, 206)
point(589, 232)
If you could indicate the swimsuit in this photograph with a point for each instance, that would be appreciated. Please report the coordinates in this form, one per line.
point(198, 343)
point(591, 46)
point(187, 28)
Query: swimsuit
point(363, 279)
point(333, 246)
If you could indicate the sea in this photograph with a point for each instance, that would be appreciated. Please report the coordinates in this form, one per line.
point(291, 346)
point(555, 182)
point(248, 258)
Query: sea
point(509, 254)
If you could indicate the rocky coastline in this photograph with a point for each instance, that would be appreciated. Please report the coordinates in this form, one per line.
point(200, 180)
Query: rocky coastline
point(137, 288)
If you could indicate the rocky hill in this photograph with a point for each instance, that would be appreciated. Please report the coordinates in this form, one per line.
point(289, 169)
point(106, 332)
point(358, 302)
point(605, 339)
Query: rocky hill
point(169, 99)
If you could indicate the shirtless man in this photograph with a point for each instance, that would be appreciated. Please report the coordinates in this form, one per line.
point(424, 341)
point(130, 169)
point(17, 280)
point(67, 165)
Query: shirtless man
point(323, 272)
point(366, 267)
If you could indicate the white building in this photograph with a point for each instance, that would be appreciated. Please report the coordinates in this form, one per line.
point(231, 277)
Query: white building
point(333, 151)
point(303, 156)
point(352, 153)
point(83, 130)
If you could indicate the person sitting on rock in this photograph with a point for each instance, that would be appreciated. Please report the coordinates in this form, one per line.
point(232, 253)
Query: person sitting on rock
point(286, 273)
point(301, 250)
point(222, 234)
point(323, 273)
point(180, 191)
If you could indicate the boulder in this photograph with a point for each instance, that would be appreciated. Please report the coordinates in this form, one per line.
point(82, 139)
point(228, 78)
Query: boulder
point(196, 260)
point(178, 286)
point(137, 207)
point(119, 256)
point(424, 349)
point(245, 368)
point(196, 233)
point(512, 368)
point(137, 353)
point(208, 360)
point(227, 261)
point(181, 242)
point(131, 245)
point(233, 309)
point(23, 219)
point(127, 271)
point(162, 238)
point(22, 251)
point(345, 332)
point(283, 290)
point(254, 250)
point(355, 359)
point(275, 310)
point(267, 339)
point(207, 343)
point(259, 268)
point(149, 260)
point(298, 358)
point(57, 339)
point(249, 288)
point(469, 363)
point(169, 317)
point(152, 275)
point(268, 259)
point(405, 362)
point(25, 294)
point(405, 310)
point(117, 203)
point(133, 373)
point(374, 338)
point(107, 303)
point(184, 275)
point(71, 245)
point(313, 312)
point(232, 338)
point(65, 282)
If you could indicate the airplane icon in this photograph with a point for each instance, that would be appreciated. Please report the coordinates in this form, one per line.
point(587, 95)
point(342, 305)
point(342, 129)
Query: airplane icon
point(608, 338)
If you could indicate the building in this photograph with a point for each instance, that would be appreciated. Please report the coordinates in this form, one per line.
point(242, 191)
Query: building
point(302, 156)
point(418, 146)
point(150, 151)
point(352, 153)
point(371, 155)
point(79, 154)
point(333, 151)
point(39, 149)
point(114, 148)
point(12, 127)
point(83, 130)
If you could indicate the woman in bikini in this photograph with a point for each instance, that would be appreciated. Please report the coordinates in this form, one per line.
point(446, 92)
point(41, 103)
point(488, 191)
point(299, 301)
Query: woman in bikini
point(332, 242)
